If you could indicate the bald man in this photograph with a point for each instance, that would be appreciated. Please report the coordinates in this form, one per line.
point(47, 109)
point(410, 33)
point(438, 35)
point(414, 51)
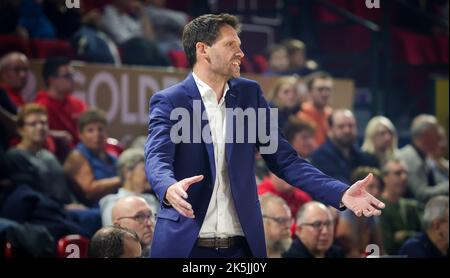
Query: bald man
point(135, 214)
point(314, 233)
point(14, 68)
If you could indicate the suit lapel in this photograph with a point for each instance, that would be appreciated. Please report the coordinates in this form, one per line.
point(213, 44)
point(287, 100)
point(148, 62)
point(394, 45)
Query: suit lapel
point(231, 102)
point(192, 91)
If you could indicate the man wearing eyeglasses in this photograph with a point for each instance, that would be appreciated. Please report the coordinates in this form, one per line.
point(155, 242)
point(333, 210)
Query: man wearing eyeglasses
point(277, 221)
point(314, 234)
point(135, 214)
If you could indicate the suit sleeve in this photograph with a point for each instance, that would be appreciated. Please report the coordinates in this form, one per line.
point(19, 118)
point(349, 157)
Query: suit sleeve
point(288, 165)
point(159, 149)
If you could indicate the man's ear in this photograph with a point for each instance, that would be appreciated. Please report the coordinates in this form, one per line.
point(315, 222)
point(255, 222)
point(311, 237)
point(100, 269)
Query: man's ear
point(201, 49)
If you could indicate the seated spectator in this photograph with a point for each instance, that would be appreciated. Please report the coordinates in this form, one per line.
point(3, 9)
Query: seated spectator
point(32, 125)
point(437, 161)
point(13, 78)
point(298, 61)
point(63, 109)
point(314, 234)
point(301, 136)
point(49, 177)
point(135, 214)
point(401, 217)
point(92, 44)
point(380, 139)
point(114, 242)
point(168, 25)
point(14, 68)
point(131, 168)
point(89, 165)
point(433, 243)
point(320, 86)
point(34, 20)
point(338, 156)
point(425, 141)
point(277, 221)
point(354, 233)
point(284, 96)
point(278, 60)
point(128, 24)
point(294, 197)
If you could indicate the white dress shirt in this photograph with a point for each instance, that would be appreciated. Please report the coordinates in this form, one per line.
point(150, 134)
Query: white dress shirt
point(221, 219)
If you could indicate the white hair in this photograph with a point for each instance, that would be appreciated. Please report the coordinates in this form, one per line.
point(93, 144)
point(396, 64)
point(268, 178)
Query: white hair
point(435, 209)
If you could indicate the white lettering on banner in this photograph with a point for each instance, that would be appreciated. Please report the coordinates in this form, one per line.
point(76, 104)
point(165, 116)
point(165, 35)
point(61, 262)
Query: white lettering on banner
point(108, 79)
point(145, 82)
point(80, 78)
point(127, 117)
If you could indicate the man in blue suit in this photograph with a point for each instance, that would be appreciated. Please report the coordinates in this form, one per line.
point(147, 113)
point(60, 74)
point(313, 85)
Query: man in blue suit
point(207, 188)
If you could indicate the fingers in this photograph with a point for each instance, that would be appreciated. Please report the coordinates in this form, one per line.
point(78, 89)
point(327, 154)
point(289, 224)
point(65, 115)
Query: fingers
point(366, 181)
point(377, 203)
point(183, 207)
point(187, 182)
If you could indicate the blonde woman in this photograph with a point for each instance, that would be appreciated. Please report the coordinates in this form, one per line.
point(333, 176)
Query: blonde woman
point(380, 138)
point(285, 97)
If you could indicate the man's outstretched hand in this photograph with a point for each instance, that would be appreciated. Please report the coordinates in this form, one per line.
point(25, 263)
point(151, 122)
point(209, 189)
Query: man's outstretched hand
point(360, 201)
point(176, 195)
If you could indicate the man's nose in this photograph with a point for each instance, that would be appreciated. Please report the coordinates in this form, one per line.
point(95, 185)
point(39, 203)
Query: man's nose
point(240, 54)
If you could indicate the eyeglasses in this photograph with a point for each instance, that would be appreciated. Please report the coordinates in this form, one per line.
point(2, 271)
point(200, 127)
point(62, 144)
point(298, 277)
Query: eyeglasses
point(140, 217)
point(35, 123)
point(285, 221)
point(318, 225)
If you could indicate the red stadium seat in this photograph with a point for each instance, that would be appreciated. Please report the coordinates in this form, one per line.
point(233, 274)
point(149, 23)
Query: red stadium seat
point(442, 48)
point(413, 48)
point(114, 147)
point(88, 5)
point(178, 59)
point(8, 251)
point(44, 48)
point(246, 65)
point(9, 43)
point(72, 246)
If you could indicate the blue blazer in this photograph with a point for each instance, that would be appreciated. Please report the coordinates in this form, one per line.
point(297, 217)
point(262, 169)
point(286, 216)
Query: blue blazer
point(167, 163)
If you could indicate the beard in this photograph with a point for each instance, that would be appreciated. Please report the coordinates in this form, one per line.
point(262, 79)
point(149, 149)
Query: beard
point(281, 245)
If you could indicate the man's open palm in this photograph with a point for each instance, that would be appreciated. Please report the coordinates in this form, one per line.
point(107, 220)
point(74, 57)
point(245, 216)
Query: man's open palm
point(360, 201)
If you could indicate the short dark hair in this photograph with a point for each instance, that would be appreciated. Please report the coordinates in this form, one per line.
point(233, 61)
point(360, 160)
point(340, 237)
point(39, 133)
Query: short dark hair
point(314, 76)
point(205, 29)
point(295, 126)
point(52, 65)
point(92, 115)
point(108, 242)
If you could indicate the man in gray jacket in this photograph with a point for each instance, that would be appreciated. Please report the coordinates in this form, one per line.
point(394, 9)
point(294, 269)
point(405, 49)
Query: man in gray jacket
point(424, 140)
